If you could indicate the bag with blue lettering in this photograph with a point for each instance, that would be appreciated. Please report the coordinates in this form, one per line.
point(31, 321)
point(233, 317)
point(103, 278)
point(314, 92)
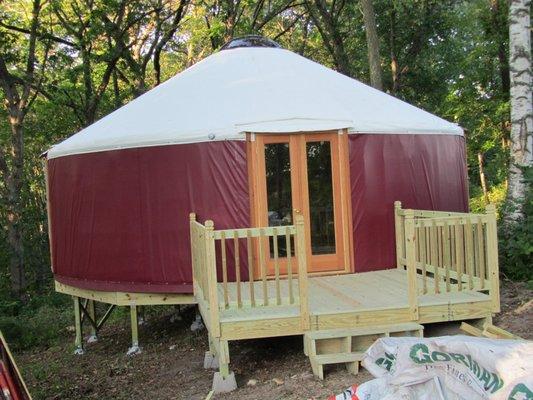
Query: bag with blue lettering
point(449, 367)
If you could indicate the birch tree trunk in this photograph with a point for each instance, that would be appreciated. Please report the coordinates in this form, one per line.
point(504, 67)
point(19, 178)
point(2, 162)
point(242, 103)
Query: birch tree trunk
point(521, 105)
point(372, 41)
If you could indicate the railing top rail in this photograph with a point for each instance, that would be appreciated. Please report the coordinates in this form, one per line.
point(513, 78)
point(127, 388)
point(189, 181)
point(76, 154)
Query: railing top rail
point(436, 214)
point(460, 220)
point(255, 232)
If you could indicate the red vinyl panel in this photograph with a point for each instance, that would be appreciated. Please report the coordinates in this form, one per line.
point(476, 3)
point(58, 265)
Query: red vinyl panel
point(425, 172)
point(120, 218)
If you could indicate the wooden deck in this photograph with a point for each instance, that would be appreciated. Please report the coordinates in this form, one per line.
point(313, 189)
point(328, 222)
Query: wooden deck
point(338, 294)
point(447, 270)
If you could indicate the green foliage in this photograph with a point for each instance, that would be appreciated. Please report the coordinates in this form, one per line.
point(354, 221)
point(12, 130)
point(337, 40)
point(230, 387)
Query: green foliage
point(39, 323)
point(516, 241)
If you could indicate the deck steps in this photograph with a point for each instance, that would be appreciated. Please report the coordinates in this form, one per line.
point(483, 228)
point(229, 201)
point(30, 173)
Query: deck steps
point(348, 346)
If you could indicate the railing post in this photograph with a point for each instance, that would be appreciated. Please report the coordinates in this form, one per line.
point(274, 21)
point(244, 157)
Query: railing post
point(192, 238)
point(492, 257)
point(301, 255)
point(398, 229)
point(211, 271)
point(410, 256)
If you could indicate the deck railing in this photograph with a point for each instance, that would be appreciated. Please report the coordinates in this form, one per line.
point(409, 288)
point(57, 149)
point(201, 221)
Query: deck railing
point(447, 252)
point(217, 263)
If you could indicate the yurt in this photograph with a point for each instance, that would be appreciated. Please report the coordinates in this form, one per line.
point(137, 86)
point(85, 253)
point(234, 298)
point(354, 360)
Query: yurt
point(250, 136)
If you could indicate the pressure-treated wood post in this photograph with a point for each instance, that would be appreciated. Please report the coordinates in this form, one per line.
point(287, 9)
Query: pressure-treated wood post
point(398, 229)
point(211, 272)
point(410, 256)
point(301, 249)
point(492, 257)
point(192, 238)
point(134, 349)
point(77, 321)
point(92, 314)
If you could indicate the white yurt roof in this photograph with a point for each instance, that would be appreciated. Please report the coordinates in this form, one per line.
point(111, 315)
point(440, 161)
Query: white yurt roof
point(251, 89)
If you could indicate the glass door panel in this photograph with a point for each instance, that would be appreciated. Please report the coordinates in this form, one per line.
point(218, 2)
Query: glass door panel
point(321, 206)
point(279, 191)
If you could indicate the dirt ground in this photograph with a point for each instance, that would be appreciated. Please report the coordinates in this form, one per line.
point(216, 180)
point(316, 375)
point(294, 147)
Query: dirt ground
point(171, 363)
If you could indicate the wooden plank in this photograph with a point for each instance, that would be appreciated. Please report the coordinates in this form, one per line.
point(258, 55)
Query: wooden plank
point(242, 233)
point(236, 251)
point(501, 333)
point(481, 251)
point(249, 250)
point(211, 273)
point(301, 254)
point(276, 265)
point(224, 268)
point(289, 265)
point(423, 257)
point(362, 331)
point(469, 254)
point(492, 258)
point(262, 266)
point(123, 298)
point(261, 328)
point(398, 229)
point(410, 256)
point(446, 255)
point(459, 255)
point(471, 330)
point(434, 254)
point(338, 358)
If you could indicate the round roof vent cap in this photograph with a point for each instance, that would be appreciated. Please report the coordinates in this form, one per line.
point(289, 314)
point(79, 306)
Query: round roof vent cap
point(250, 41)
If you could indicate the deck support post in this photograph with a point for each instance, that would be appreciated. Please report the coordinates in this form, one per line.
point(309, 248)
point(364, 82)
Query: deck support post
point(134, 349)
point(410, 256)
point(211, 271)
point(223, 380)
point(93, 336)
point(492, 258)
point(301, 255)
point(78, 326)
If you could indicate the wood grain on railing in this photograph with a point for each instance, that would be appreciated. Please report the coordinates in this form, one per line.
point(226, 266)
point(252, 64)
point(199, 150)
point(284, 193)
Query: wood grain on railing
point(453, 251)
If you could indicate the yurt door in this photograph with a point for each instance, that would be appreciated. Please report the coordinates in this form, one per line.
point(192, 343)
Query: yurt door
point(303, 174)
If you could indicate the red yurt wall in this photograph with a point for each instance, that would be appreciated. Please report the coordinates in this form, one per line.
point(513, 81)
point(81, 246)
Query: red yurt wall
point(424, 172)
point(120, 218)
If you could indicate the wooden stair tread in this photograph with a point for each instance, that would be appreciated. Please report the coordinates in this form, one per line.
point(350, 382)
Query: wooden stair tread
point(337, 333)
point(337, 358)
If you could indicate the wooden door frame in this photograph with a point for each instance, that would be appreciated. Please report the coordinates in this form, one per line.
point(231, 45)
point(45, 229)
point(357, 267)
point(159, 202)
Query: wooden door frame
point(340, 154)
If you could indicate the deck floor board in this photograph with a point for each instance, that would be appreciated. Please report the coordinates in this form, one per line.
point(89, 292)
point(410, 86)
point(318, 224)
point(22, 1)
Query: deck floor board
point(337, 294)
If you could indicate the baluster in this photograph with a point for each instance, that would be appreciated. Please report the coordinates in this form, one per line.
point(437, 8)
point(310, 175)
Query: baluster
point(469, 247)
point(289, 263)
point(446, 255)
point(459, 254)
point(434, 255)
point(481, 252)
point(237, 267)
point(224, 268)
point(276, 265)
point(262, 266)
point(250, 266)
point(423, 255)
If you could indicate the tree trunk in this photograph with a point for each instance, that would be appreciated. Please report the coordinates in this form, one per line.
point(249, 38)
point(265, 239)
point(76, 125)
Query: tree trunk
point(394, 67)
point(521, 106)
point(372, 41)
point(14, 184)
point(481, 162)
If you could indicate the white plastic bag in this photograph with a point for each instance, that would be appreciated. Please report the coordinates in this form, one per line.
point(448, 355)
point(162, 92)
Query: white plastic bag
point(449, 367)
